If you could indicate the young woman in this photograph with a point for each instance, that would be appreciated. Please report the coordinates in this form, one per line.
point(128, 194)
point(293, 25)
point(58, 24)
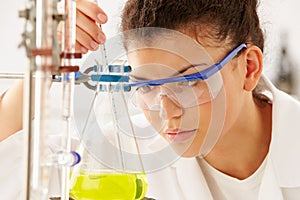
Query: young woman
point(255, 154)
point(197, 66)
point(252, 150)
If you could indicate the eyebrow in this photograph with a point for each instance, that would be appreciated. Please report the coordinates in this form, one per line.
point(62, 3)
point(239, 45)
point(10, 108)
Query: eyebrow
point(188, 67)
point(175, 74)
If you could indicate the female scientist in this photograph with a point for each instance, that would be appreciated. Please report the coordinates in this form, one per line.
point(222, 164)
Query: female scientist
point(256, 152)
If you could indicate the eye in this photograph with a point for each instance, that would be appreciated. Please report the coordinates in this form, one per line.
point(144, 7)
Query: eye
point(187, 83)
point(145, 89)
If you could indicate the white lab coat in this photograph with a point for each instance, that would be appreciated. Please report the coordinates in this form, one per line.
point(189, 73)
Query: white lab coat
point(281, 179)
point(184, 180)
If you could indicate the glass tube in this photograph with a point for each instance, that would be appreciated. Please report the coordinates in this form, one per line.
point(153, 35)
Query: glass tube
point(38, 174)
point(68, 84)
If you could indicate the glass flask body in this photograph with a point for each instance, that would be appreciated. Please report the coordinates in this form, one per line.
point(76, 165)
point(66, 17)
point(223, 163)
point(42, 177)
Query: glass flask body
point(111, 167)
point(91, 180)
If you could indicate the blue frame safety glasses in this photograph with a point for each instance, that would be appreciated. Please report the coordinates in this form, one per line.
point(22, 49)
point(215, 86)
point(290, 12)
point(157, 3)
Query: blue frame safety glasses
point(185, 91)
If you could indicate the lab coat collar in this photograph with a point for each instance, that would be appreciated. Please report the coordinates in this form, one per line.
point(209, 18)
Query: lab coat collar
point(269, 188)
point(193, 185)
point(191, 179)
point(284, 149)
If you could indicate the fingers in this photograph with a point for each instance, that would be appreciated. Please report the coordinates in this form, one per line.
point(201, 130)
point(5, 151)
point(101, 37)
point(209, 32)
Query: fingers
point(92, 10)
point(85, 40)
point(80, 48)
point(88, 33)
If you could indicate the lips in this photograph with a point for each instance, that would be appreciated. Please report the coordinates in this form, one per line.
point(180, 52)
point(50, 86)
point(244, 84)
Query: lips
point(180, 136)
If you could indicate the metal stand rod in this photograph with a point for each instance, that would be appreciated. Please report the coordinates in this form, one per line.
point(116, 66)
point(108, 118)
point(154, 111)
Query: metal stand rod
point(11, 75)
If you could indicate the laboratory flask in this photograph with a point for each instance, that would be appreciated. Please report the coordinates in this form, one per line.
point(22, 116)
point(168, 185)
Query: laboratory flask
point(111, 167)
point(92, 180)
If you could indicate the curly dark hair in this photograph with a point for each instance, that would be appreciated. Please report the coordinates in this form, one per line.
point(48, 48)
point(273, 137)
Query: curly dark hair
point(233, 20)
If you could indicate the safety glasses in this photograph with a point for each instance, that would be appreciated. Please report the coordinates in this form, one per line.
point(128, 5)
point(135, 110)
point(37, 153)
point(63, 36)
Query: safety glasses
point(186, 91)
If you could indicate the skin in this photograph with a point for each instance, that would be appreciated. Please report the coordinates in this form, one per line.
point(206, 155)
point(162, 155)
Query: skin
point(88, 36)
point(11, 106)
point(246, 135)
point(88, 33)
point(174, 116)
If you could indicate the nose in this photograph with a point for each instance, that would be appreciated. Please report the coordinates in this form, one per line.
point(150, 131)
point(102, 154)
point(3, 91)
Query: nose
point(169, 109)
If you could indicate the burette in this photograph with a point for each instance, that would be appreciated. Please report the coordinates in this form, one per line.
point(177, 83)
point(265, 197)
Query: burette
point(112, 90)
point(102, 67)
point(68, 69)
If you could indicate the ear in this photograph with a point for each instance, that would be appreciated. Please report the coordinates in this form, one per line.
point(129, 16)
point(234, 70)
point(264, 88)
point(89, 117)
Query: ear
point(254, 62)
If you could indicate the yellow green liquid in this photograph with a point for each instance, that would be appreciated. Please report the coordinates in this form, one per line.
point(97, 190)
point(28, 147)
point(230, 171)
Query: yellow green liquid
point(109, 186)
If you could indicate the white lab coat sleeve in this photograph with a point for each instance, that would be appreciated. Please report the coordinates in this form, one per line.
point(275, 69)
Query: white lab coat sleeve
point(12, 167)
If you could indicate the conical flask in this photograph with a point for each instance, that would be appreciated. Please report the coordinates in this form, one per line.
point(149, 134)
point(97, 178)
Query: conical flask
point(93, 180)
point(111, 167)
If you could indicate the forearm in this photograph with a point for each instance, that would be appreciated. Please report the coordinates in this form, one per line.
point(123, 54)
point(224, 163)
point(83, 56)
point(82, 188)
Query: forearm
point(11, 110)
point(89, 35)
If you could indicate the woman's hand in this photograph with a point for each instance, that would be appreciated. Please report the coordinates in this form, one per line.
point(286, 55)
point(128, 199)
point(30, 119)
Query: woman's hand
point(88, 36)
point(88, 32)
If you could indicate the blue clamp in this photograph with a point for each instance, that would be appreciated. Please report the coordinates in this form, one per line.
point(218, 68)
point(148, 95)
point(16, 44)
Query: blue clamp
point(102, 80)
point(115, 68)
point(109, 78)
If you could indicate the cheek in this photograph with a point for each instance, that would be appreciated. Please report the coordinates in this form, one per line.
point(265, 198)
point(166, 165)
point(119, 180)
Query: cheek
point(154, 119)
point(203, 123)
point(205, 116)
point(233, 106)
point(200, 118)
point(193, 118)
point(234, 98)
point(211, 125)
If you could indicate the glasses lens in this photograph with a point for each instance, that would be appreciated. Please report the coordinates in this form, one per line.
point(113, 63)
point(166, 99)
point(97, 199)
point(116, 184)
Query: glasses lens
point(184, 94)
